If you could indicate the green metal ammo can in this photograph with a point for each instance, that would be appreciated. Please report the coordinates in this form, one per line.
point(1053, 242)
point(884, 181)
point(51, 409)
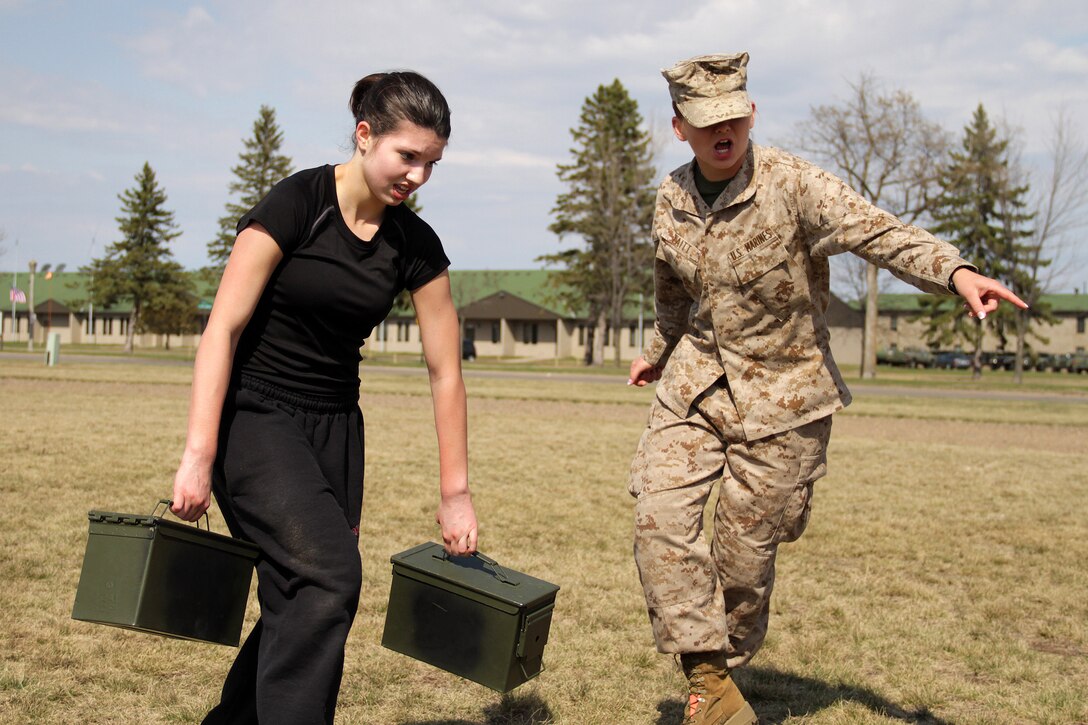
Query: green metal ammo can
point(149, 574)
point(468, 616)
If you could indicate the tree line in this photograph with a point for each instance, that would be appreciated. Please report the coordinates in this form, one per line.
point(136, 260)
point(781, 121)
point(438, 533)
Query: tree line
point(977, 195)
point(140, 268)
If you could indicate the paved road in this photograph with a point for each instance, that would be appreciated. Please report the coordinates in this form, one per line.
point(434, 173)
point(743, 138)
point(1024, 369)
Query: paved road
point(860, 390)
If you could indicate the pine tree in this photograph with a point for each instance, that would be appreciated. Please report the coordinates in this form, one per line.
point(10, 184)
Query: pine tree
point(609, 207)
point(1022, 259)
point(140, 268)
point(260, 166)
point(982, 212)
point(170, 308)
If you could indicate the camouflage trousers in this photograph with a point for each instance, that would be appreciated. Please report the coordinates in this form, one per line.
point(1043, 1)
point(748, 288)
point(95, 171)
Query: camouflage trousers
point(711, 597)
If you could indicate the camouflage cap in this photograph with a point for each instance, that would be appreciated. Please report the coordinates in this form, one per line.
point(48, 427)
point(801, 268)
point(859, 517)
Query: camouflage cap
point(709, 89)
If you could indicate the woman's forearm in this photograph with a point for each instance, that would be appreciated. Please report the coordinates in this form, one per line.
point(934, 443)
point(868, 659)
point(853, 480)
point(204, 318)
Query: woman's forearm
point(211, 375)
point(451, 427)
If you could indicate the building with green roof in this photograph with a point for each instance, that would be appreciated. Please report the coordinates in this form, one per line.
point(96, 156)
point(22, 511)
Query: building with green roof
point(506, 313)
point(901, 325)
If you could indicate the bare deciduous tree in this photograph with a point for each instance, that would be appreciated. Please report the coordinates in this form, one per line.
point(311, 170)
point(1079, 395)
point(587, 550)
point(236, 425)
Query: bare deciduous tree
point(1059, 203)
point(882, 145)
point(1061, 200)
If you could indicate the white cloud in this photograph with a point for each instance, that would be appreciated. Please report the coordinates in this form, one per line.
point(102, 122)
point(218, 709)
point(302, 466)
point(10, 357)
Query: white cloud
point(497, 159)
point(1043, 54)
point(191, 51)
point(516, 75)
point(53, 104)
point(197, 18)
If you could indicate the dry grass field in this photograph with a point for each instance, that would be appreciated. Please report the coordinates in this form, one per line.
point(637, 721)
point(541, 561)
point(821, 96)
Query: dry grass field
point(942, 578)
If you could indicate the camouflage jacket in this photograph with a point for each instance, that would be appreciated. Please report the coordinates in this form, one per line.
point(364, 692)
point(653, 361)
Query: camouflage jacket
point(742, 288)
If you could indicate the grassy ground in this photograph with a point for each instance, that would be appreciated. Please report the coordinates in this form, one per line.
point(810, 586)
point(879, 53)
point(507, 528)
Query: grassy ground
point(941, 579)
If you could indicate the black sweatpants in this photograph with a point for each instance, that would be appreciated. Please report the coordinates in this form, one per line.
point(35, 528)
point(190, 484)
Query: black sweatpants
point(289, 478)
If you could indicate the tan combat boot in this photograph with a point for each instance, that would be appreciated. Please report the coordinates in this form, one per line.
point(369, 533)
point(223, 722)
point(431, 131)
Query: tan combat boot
point(713, 697)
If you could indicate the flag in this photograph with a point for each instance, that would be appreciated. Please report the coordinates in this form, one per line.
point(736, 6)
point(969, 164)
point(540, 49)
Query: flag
point(17, 295)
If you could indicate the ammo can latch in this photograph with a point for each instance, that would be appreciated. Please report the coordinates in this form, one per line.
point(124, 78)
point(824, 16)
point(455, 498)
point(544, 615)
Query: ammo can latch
point(534, 633)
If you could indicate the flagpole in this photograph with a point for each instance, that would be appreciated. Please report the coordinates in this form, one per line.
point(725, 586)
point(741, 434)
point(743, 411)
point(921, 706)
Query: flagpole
point(14, 286)
point(94, 338)
point(32, 265)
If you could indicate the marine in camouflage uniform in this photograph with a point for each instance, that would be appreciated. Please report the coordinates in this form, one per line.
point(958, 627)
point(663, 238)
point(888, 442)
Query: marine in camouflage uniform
point(747, 380)
point(749, 383)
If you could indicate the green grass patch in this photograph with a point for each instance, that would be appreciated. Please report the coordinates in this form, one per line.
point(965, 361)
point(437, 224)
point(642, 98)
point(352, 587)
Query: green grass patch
point(941, 579)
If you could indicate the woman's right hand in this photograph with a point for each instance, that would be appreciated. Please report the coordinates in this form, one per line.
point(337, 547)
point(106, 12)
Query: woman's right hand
point(457, 518)
point(643, 372)
point(192, 489)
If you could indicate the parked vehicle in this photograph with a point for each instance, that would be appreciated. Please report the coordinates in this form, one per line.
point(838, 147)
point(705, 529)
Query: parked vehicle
point(1041, 362)
point(920, 358)
point(999, 360)
point(909, 357)
point(1063, 361)
point(952, 360)
point(1078, 362)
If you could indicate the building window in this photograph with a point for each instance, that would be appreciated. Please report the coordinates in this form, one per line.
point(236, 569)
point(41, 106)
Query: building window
point(496, 332)
point(1080, 324)
point(634, 335)
point(402, 332)
point(470, 332)
point(895, 322)
point(530, 333)
point(607, 334)
point(581, 334)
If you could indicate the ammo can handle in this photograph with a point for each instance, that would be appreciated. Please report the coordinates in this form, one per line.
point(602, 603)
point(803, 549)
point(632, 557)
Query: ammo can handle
point(168, 502)
point(521, 664)
point(500, 573)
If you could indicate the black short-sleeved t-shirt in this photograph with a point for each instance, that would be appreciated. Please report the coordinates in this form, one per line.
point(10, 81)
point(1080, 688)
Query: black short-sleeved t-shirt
point(331, 288)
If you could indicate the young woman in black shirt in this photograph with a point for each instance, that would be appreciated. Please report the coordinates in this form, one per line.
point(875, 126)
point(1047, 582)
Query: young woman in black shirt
point(275, 430)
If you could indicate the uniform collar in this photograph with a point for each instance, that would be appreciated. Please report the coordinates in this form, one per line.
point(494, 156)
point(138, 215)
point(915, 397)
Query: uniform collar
point(684, 196)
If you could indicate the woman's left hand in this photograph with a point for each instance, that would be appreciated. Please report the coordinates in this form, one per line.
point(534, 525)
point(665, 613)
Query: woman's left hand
point(982, 294)
point(457, 517)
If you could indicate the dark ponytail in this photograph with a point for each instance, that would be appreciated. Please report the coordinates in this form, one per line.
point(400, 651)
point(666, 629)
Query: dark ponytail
point(385, 99)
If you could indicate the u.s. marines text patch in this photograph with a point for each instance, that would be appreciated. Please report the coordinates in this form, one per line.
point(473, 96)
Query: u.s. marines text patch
point(757, 242)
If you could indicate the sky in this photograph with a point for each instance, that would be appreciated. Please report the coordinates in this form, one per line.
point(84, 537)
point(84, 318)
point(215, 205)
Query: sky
point(89, 91)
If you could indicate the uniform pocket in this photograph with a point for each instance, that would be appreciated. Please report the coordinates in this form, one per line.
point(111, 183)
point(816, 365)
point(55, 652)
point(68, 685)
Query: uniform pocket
point(796, 514)
point(684, 258)
point(767, 274)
